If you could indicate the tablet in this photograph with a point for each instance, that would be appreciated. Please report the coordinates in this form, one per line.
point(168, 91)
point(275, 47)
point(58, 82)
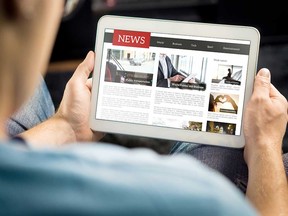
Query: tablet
point(175, 80)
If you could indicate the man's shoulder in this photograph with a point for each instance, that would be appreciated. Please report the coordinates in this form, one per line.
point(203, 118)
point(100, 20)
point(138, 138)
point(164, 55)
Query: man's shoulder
point(105, 178)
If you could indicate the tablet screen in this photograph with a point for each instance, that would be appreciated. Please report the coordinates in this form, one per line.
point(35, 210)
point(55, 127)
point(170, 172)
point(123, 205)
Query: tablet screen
point(173, 81)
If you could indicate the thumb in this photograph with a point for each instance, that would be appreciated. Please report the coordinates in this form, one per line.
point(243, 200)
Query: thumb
point(85, 68)
point(262, 83)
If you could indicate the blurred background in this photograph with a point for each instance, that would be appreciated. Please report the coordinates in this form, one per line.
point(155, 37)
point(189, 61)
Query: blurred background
point(76, 36)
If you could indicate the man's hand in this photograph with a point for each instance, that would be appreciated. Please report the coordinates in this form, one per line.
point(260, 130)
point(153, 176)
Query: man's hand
point(177, 78)
point(265, 123)
point(75, 104)
point(71, 121)
point(265, 118)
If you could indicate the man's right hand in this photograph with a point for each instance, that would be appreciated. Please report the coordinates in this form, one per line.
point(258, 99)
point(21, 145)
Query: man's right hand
point(265, 122)
point(177, 78)
point(265, 118)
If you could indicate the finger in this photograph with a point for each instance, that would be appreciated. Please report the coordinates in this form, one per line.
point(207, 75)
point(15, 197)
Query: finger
point(89, 83)
point(84, 69)
point(262, 83)
point(274, 92)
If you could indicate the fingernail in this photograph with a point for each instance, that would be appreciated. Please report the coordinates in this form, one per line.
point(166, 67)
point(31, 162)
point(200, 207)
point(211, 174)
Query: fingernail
point(88, 54)
point(264, 72)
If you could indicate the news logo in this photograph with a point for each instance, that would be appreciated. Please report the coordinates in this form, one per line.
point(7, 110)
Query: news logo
point(131, 38)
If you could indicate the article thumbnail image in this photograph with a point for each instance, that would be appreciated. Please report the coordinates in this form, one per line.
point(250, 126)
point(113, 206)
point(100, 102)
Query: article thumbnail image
point(128, 66)
point(228, 74)
point(194, 126)
point(179, 71)
point(221, 127)
point(225, 103)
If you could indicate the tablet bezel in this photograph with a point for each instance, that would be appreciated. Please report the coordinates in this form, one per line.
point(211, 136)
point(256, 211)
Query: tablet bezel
point(179, 28)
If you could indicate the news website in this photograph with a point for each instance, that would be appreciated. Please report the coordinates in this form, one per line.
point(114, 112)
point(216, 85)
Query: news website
point(178, 81)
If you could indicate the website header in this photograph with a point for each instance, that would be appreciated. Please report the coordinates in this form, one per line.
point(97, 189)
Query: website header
point(131, 38)
point(145, 40)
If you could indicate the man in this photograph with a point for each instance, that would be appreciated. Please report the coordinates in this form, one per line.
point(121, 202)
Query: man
point(166, 72)
point(41, 174)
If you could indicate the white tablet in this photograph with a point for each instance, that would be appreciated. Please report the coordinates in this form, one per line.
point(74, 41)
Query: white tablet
point(175, 80)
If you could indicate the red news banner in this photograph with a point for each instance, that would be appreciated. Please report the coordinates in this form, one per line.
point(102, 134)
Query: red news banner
point(131, 38)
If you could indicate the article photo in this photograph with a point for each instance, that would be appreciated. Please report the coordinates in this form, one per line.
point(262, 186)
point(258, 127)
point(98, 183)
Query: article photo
point(224, 103)
point(181, 71)
point(130, 67)
point(221, 127)
point(192, 125)
point(228, 74)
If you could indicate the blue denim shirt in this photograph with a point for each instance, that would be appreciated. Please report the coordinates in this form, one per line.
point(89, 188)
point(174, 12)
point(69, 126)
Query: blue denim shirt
point(105, 179)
